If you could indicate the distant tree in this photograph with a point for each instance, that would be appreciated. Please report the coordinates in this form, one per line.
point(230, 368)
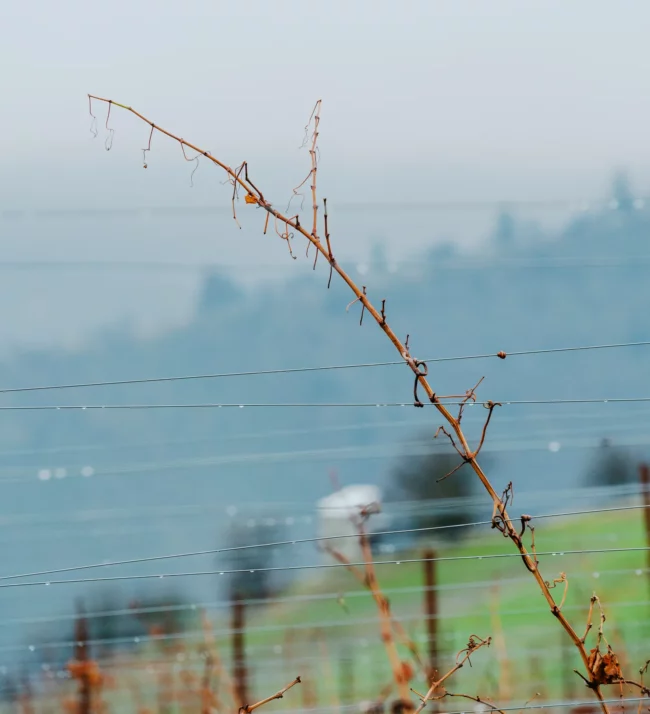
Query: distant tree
point(216, 292)
point(610, 466)
point(504, 233)
point(166, 614)
point(433, 502)
point(445, 250)
point(258, 584)
point(622, 192)
point(9, 689)
point(114, 623)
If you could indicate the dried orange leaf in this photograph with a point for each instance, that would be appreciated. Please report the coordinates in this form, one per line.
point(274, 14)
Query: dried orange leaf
point(407, 671)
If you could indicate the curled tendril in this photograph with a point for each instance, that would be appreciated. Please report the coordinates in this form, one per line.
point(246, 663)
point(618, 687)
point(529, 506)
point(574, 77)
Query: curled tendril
point(190, 158)
point(144, 151)
point(93, 122)
point(285, 235)
point(108, 143)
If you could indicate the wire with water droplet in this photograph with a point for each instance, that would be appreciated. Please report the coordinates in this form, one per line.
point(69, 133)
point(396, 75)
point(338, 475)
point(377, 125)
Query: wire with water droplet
point(316, 539)
point(321, 566)
point(325, 368)
point(310, 405)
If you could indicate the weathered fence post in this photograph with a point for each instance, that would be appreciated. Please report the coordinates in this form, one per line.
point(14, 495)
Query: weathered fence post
point(431, 609)
point(82, 658)
point(239, 672)
point(644, 480)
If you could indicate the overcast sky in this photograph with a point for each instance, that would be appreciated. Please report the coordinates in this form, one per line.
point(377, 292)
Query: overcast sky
point(423, 100)
point(503, 97)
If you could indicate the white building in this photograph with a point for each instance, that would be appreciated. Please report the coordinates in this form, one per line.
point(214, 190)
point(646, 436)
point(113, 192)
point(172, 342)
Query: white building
point(338, 514)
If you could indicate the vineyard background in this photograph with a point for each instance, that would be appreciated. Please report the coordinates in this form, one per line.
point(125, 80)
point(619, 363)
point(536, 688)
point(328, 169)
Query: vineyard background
point(189, 474)
point(179, 396)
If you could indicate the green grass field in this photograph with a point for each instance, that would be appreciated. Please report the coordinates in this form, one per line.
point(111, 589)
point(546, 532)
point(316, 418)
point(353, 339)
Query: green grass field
point(495, 597)
point(337, 650)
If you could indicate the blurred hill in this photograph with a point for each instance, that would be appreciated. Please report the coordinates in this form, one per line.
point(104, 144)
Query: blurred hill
point(169, 480)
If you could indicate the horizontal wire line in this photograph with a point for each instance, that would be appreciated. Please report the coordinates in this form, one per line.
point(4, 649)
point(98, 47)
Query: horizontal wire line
point(151, 380)
point(489, 708)
point(297, 599)
point(378, 451)
point(322, 566)
point(311, 625)
point(305, 405)
point(214, 551)
point(577, 203)
point(428, 506)
point(385, 450)
point(302, 649)
point(466, 264)
point(30, 475)
point(255, 629)
point(558, 705)
point(349, 426)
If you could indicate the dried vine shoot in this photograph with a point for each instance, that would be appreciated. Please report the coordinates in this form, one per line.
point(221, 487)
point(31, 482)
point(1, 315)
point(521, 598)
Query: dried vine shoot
point(463, 656)
point(249, 708)
point(402, 671)
point(286, 228)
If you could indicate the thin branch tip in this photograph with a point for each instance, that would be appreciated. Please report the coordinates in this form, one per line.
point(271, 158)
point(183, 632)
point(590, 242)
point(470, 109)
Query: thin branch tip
point(601, 667)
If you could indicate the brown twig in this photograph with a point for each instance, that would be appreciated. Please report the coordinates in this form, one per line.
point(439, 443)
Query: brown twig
point(476, 699)
point(254, 196)
point(235, 193)
point(330, 255)
point(363, 308)
point(368, 579)
point(642, 672)
point(556, 581)
point(474, 644)
point(528, 701)
point(401, 671)
point(451, 439)
point(212, 652)
point(315, 117)
point(248, 708)
point(507, 497)
point(470, 396)
point(82, 667)
point(490, 406)
point(592, 601)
